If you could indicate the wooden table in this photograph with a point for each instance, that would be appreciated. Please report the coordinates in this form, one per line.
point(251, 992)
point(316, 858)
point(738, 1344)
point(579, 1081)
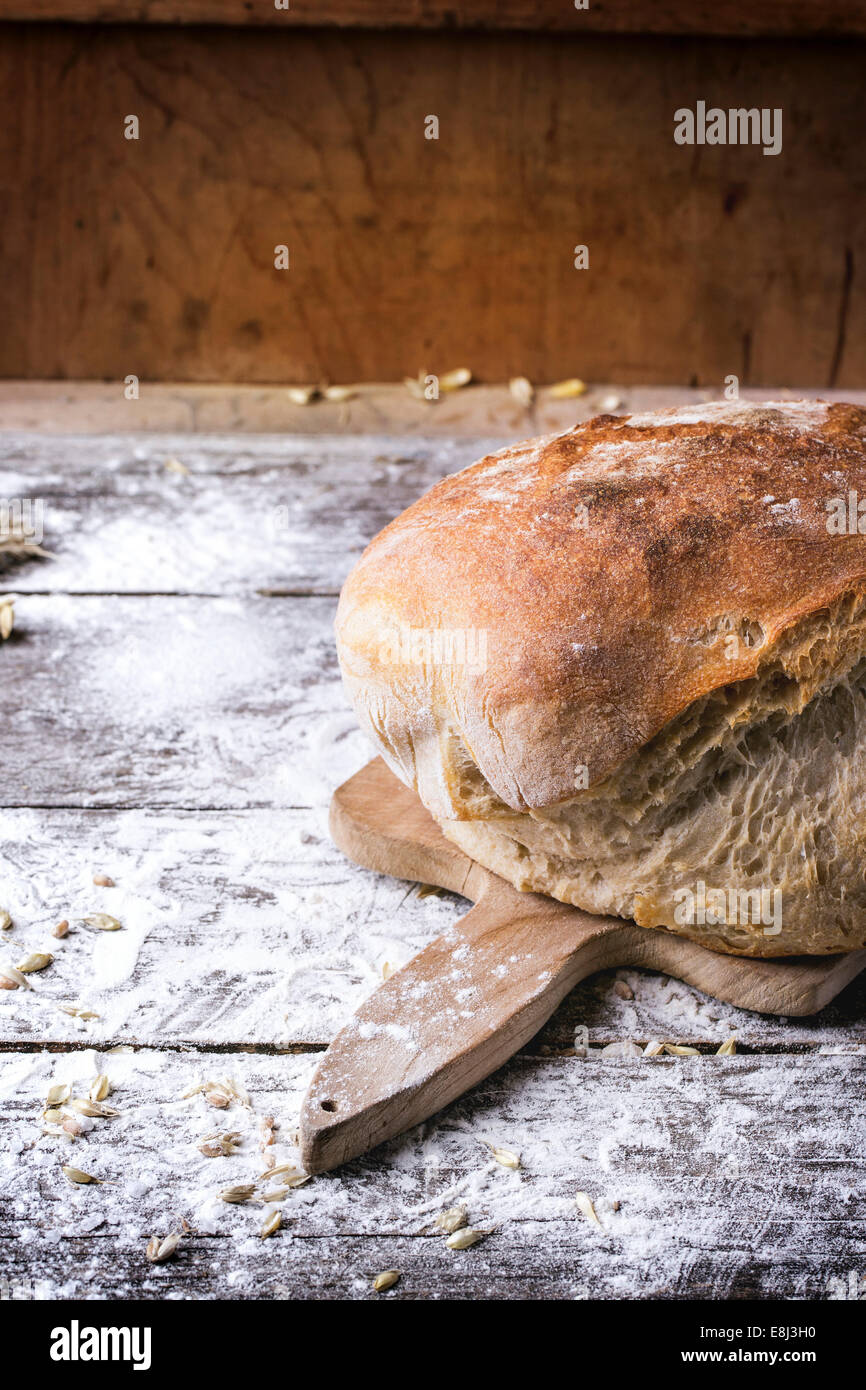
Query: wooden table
point(173, 718)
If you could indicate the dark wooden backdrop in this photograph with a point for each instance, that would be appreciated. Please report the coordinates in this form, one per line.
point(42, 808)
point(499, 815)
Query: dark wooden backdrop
point(155, 257)
point(604, 16)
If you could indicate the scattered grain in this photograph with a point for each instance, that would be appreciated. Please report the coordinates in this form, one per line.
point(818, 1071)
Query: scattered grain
point(462, 1239)
point(94, 1109)
point(522, 390)
point(586, 1208)
point(452, 381)
point(452, 1219)
point(507, 1157)
point(415, 387)
point(301, 395)
point(271, 1225)
point(10, 978)
point(39, 960)
point(102, 921)
point(626, 1048)
point(565, 390)
point(100, 1088)
point(77, 1176)
point(236, 1195)
point(429, 890)
point(158, 1251)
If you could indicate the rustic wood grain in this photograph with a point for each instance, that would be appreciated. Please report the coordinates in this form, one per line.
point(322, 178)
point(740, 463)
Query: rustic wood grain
point(273, 937)
point(174, 702)
point(382, 408)
point(279, 515)
point(283, 515)
point(772, 17)
point(731, 1179)
point(247, 936)
point(179, 702)
point(251, 928)
point(155, 257)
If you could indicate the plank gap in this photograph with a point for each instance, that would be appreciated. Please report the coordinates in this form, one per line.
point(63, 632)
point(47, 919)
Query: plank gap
point(705, 1049)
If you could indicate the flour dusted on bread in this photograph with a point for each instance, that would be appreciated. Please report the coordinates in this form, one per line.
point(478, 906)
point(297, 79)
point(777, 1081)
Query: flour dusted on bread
point(626, 666)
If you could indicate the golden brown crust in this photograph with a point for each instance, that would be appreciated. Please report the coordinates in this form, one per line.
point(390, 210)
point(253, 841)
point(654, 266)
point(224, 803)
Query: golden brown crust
point(606, 567)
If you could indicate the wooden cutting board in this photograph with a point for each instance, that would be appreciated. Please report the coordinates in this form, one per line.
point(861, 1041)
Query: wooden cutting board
point(467, 1002)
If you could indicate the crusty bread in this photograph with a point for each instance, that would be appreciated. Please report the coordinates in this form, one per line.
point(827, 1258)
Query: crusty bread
point(627, 664)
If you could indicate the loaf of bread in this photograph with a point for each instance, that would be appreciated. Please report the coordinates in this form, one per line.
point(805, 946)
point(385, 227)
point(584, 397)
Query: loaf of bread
point(626, 666)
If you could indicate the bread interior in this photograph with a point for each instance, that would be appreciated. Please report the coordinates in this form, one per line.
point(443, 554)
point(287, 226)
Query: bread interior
point(758, 786)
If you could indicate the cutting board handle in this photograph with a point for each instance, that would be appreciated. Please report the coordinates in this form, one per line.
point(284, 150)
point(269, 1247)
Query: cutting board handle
point(478, 993)
point(454, 1014)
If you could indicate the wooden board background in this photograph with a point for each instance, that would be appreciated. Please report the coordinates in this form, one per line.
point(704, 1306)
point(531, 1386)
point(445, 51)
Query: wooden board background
point(173, 716)
point(155, 257)
point(605, 16)
point(380, 408)
point(722, 1193)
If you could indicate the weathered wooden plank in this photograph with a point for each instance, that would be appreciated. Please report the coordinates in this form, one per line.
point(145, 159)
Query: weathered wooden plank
point(735, 1177)
point(156, 256)
point(776, 17)
point(182, 702)
point(99, 407)
point(251, 929)
point(245, 929)
point(174, 702)
point(253, 513)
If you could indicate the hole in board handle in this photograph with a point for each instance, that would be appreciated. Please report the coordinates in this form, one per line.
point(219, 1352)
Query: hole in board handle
point(329, 1105)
